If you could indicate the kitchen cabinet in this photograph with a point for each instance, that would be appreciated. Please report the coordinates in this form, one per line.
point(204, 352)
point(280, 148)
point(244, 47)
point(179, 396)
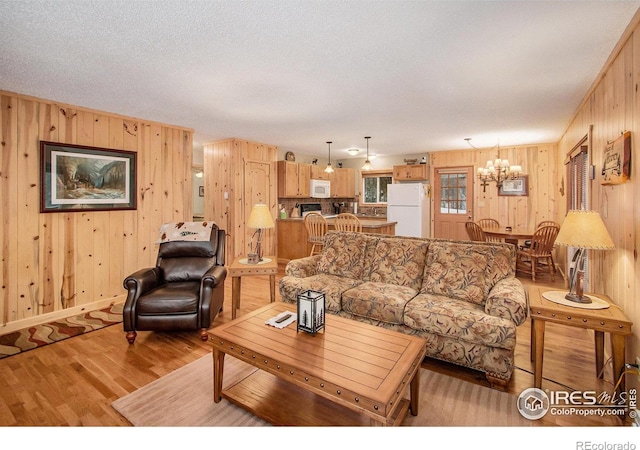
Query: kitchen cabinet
point(318, 173)
point(411, 172)
point(293, 179)
point(343, 184)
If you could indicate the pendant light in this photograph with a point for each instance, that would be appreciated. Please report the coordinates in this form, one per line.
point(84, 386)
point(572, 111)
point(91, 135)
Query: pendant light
point(329, 168)
point(367, 163)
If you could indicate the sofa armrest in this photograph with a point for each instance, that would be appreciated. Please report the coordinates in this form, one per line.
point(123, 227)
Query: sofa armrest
point(508, 299)
point(302, 267)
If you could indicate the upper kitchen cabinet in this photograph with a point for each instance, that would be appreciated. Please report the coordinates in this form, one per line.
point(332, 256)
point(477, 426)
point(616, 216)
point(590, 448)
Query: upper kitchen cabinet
point(411, 172)
point(318, 173)
point(293, 179)
point(343, 183)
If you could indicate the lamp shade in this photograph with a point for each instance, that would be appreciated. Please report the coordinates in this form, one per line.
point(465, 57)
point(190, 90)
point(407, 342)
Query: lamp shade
point(260, 217)
point(584, 229)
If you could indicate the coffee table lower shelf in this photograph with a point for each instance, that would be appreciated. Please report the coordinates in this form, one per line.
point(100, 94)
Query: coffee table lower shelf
point(284, 404)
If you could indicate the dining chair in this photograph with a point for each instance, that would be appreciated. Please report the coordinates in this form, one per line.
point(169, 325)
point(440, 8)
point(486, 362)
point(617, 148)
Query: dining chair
point(490, 223)
point(347, 222)
point(316, 227)
point(527, 243)
point(538, 257)
point(475, 232)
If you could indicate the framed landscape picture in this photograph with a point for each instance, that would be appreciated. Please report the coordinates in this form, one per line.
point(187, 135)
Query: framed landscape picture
point(81, 178)
point(518, 186)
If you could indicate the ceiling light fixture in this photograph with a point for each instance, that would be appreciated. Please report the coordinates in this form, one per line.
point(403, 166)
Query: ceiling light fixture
point(498, 170)
point(367, 163)
point(329, 168)
point(353, 151)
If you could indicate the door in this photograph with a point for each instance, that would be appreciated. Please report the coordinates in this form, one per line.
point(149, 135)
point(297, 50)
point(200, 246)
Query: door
point(453, 202)
point(258, 182)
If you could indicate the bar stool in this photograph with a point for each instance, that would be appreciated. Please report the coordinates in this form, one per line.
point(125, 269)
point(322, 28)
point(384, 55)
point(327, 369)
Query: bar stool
point(316, 226)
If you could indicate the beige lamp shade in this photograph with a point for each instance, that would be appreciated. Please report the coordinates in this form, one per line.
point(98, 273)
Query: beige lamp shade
point(260, 217)
point(584, 229)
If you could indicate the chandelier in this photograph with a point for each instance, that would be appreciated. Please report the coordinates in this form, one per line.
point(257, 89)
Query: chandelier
point(498, 170)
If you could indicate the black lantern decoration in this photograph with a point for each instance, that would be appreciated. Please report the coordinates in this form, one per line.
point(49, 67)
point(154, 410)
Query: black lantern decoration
point(311, 312)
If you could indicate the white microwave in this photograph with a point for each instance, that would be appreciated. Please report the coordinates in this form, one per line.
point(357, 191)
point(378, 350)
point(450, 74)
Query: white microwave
point(320, 189)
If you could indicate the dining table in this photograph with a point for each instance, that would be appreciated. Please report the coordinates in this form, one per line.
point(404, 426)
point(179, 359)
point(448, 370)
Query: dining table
point(511, 235)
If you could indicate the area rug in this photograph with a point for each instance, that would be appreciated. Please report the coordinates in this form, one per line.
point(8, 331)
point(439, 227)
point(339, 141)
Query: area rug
point(48, 333)
point(184, 397)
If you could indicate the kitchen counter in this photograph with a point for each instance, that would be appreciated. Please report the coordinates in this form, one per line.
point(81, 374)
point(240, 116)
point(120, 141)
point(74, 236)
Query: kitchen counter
point(292, 235)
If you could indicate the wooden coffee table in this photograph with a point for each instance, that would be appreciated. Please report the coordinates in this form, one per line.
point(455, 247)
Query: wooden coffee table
point(349, 374)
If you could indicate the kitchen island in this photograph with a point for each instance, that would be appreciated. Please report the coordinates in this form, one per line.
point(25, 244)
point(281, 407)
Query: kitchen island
point(292, 235)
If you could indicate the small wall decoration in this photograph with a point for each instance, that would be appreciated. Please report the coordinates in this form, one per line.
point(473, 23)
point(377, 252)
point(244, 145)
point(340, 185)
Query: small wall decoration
point(616, 164)
point(516, 186)
point(81, 178)
point(201, 191)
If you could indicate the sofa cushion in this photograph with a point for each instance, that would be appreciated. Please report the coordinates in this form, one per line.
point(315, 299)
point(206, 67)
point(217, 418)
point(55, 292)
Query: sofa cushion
point(378, 301)
point(343, 254)
point(331, 285)
point(457, 270)
point(399, 261)
point(459, 319)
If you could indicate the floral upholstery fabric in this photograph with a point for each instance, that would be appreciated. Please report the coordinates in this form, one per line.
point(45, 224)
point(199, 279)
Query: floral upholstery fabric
point(380, 301)
point(506, 300)
point(462, 297)
point(331, 285)
point(457, 270)
point(399, 261)
point(303, 267)
point(494, 361)
point(343, 254)
point(460, 320)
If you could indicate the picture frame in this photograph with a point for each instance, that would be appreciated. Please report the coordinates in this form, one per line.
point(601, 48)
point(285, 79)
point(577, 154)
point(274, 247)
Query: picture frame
point(616, 160)
point(82, 178)
point(515, 187)
point(201, 191)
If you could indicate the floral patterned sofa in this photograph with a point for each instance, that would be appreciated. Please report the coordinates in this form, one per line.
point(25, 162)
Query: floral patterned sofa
point(462, 297)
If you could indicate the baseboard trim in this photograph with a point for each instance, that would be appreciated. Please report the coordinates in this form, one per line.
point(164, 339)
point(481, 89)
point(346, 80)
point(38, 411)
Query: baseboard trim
point(55, 315)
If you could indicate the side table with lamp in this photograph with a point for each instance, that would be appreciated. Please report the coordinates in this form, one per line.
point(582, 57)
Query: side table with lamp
point(586, 231)
point(254, 263)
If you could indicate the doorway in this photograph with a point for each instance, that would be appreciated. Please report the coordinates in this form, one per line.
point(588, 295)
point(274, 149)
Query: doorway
point(453, 202)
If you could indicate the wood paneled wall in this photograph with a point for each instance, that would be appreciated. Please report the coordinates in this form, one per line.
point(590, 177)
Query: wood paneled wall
point(538, 162)
point(54, 263)
point(612, 107)
point(237, 174)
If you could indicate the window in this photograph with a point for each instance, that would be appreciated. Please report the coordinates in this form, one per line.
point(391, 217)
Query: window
point(374, 186)
point(453, 193)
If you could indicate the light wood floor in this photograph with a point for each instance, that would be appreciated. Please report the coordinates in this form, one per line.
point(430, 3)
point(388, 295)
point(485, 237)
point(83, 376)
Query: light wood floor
point(73, 382)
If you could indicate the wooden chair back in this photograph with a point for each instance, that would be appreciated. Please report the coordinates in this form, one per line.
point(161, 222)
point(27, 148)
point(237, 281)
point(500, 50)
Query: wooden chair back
point(347, 222)
point(316, 227)
point(475, 232)
point(542, 240)
point(488, 223)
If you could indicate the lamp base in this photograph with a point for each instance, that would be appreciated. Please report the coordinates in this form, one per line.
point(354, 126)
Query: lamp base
point(578, 298)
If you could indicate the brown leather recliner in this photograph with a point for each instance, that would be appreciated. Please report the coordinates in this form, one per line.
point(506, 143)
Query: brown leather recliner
point(184, 291)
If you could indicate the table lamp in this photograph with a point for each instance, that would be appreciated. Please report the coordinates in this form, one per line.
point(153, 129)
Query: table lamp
point(259, 219)
point(584, 230)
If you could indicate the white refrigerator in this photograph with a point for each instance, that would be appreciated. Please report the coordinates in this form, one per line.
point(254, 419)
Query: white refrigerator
point(408, 205)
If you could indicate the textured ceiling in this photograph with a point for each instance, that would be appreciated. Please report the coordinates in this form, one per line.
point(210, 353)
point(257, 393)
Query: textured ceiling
point(416, 76)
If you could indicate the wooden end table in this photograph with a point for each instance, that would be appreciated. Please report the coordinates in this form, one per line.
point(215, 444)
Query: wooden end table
point(240, 268)
point(610, 320)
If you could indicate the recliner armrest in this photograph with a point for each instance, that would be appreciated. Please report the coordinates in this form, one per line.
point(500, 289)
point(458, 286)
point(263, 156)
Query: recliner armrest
point(214, 276)
point(142, 281)
point(508, 299)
